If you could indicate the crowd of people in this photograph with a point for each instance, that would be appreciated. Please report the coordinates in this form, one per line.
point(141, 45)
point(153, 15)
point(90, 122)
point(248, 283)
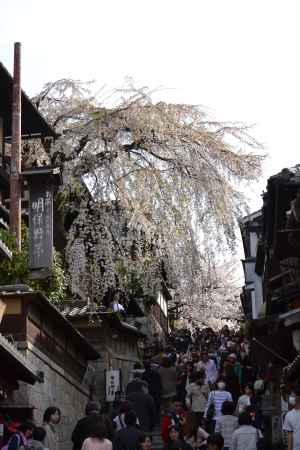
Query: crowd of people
point(200, 391)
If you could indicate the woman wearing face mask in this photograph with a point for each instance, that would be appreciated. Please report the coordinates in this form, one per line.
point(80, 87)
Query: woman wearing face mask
point(214, 405)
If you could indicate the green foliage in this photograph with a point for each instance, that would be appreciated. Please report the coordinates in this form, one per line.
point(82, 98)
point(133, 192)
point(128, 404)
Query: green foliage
point(69, 193)
point(136, 283)
point(16, 270)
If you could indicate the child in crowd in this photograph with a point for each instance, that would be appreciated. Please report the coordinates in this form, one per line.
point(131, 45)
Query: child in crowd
point(38, 439)
point(145, 442)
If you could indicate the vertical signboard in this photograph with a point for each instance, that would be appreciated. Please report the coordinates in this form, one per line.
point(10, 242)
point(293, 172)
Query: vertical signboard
point(113, 384)
point(40, 221)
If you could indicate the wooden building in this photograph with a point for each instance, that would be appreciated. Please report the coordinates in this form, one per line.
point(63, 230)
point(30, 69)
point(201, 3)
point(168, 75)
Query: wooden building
point(15, 368)
point(252, 296)
point(116, 340)
point(275, 263)
point(279, 255)
point(58, 353)
point(33, 126)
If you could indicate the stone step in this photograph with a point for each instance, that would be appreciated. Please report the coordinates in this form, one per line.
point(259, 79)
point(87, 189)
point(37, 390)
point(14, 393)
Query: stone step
point(157, 442)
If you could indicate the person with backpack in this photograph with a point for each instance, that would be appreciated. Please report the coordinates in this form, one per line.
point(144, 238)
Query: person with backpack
point(144, 406)
point(119, 421)
point(128, 438)
point(19, 440)
point(214, 404)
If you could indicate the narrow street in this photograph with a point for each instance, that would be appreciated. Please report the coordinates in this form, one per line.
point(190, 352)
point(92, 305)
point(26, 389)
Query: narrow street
point(149, 225)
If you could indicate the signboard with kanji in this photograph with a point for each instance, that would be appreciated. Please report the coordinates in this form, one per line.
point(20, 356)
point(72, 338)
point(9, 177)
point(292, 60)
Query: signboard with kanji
point(40, 222)
point(113, 384)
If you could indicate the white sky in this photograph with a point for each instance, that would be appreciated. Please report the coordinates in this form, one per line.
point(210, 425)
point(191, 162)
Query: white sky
point(240, 58)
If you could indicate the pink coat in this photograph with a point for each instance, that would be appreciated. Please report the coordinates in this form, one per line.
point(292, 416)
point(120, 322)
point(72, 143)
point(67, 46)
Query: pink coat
point(96, 444)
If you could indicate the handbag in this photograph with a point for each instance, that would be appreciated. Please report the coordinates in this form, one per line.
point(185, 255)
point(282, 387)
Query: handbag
point(211, 410)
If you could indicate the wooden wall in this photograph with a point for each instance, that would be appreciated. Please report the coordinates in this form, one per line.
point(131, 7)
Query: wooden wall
point(28, 322)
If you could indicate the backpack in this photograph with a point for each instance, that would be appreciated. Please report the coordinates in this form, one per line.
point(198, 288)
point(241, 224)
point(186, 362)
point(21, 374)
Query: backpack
point(21, 444)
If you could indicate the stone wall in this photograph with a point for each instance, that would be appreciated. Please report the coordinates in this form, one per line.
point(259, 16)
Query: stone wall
point(119, 354)
point(118, 349)
point(58, 389)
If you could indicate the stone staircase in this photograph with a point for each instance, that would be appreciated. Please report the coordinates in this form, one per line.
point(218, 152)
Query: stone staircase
point(157, 443)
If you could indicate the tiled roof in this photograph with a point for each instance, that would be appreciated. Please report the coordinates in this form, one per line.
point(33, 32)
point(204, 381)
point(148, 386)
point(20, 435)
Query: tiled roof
point(80, 311)
point(72, 311)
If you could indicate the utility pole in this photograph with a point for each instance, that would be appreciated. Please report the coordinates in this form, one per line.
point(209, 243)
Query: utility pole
point(15, 171)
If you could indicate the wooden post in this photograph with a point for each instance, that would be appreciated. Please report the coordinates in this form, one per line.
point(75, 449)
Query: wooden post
point(2, 149)
point(1, 136)
point(15, 177)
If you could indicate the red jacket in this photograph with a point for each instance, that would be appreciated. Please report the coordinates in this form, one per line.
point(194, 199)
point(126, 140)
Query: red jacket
point(168, 420)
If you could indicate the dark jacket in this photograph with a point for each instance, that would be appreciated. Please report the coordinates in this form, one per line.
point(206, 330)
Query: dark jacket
point(85, 426)
point(134, 385)
point(144, 407)
point(127, 439)
point(154, 382)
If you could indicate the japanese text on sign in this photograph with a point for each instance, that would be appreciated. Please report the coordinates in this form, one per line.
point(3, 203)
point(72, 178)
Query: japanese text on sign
point(40, 225)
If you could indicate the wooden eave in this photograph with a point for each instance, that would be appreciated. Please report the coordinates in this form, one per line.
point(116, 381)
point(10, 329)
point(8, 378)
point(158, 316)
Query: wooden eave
point(50, 310)
point(14, 365)
point(33, 123)
point(46, 171)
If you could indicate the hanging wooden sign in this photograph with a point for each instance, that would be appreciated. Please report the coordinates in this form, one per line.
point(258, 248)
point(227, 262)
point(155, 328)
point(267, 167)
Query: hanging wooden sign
point(40, 222)
point(40, 184)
